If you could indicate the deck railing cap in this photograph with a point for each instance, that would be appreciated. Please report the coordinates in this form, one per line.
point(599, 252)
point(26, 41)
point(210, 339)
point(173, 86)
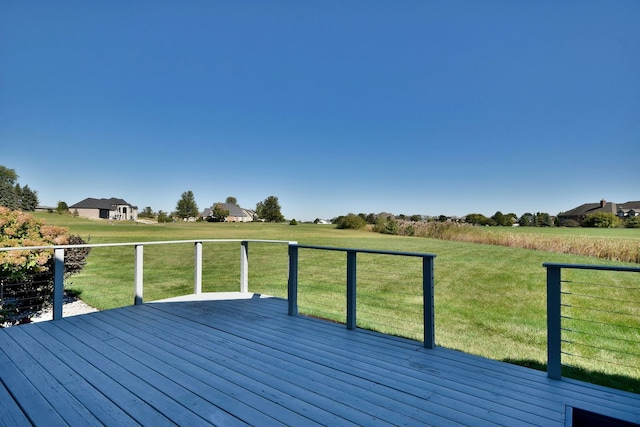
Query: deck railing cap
point(158, 242)
point(591, 267)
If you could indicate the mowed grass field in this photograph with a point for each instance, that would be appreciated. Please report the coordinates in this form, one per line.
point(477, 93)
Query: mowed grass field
point(489, 300)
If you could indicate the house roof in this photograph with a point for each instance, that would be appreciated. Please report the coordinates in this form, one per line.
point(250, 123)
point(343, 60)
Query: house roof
point(606, 207)
point(233, 210)
point(630, 205)
point(91, 203)
point(589, 208)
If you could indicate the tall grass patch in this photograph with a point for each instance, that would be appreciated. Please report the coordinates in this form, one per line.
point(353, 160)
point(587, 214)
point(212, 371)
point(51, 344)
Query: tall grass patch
point(613, 249)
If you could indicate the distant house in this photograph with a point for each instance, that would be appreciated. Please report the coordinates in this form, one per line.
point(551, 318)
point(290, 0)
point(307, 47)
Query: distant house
point(236, 214)
point(623, 210)
point(628, 213)
point(113, 208)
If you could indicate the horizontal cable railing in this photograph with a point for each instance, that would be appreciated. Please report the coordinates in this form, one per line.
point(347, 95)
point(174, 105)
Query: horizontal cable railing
point(593, 319)
point(348, 285)
point(117, 274)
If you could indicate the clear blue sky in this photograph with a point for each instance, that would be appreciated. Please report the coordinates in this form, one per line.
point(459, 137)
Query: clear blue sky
point(413, 107)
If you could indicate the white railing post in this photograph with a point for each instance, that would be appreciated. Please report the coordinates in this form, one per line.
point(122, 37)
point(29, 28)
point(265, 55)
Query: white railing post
point(139, 276)
point(58, 282)
point(244, 267)
point(197, 269)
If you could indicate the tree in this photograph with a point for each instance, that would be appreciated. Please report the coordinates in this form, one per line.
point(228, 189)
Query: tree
point(478, 219)
point(8, 196)
point(163, 216)
point(27, 197)
point(62, 207)
point(601, 220)
point(500, 219)
point(351, 221)
point(187, 207)
point(386, 224)
point(269, 210)
point(232, 201)
point(8, 176)
point(146, 213)
point(218, 214)
point(633, 222)
point(543, 219)
point(526, 220)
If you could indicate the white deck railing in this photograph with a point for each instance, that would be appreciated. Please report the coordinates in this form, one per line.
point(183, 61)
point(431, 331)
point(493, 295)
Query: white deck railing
point(59, 251)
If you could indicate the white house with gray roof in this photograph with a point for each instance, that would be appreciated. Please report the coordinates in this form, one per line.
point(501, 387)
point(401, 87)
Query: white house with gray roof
point(113, 208)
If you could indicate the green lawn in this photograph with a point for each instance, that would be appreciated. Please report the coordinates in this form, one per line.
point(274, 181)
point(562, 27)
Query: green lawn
point(490, 300)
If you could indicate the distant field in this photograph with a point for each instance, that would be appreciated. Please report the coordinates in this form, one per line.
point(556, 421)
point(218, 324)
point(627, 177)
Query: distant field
point(490, 300)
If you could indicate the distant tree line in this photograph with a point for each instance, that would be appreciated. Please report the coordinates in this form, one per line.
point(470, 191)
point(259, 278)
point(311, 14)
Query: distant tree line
point(388, 223)
point(268, 210)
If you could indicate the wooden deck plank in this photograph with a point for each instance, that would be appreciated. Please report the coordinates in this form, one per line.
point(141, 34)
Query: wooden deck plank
point(319, 394)
point(171, 399)
point(10, 412)
point(261, 382)
point(528, 380)
point(249, 407)
point(390, 373)
point(614, 403)
point(246, 362)
point(64, 403)
point(159, 407)
point(300, 384)
point(304, 350)
point(101, 407)
point(117, 393)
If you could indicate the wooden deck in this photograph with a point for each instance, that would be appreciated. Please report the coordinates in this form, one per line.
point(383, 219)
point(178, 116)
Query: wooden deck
point(245, 362)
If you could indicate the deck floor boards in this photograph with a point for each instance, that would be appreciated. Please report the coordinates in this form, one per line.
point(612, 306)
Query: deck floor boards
point(245, 362)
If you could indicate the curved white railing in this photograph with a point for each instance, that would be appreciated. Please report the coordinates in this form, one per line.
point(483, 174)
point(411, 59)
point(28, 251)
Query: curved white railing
point(59, 250)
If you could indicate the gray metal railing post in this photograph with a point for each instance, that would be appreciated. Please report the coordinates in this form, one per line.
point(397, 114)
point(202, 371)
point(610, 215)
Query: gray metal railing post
point(244, 266)
point(554, 334)
point(58, 282)
point(351, 290)
point(197, 269)
point(137, 300)
point(428, 301)
point(292, 284)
